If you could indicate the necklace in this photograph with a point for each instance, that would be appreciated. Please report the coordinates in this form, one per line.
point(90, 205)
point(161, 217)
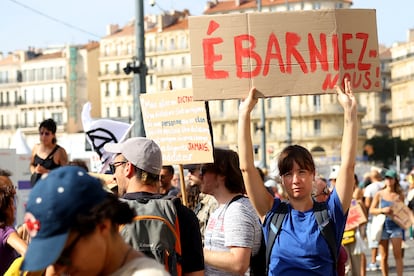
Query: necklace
point(126, 257)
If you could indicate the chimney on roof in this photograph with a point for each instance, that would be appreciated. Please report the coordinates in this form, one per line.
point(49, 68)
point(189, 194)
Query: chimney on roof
point(1, 55)
point(111, 29)
point(410, 35)
point(239, 2)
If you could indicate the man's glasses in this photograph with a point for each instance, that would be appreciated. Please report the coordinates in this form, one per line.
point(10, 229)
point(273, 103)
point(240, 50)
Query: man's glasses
point(64, 258)
point(114, 165)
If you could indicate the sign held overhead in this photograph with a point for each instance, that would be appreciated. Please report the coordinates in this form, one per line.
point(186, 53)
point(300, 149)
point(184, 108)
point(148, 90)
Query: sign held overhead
point(284, 53)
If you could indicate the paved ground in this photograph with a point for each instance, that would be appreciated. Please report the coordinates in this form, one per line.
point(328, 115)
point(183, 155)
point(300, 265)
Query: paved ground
point(408, 261)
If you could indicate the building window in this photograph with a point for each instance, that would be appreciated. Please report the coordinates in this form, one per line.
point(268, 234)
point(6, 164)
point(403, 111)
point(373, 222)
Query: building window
point(269, 103)
point(129, 88)
point(270, 128)
point(161, 63)
point(317, 127)
point(106, 69)
point(339, 5)
point(184, 83)
point(118, 111)
point(221, 106)
point(61, 93)
point(106, 50)
point(317, 102)
point(52, 98)
point(118, 88)
point(161, 45)
point(222, 129)
point(129, 49)
point(183, 42)
point(118, 49)
point(107, 89)
point(172, 44)
point(316, 6)
point(151, 80)
point(108, 112)
point(162, 83)
point(57, 117)
point(117, 69)
point(61, 72)
point(172, 63)
point(183, 61)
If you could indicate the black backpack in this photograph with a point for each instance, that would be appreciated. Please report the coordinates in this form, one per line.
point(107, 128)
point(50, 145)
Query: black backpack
point(320, 209)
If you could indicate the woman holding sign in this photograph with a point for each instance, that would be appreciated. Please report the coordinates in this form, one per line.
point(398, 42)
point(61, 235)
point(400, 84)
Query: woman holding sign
point(299, 246)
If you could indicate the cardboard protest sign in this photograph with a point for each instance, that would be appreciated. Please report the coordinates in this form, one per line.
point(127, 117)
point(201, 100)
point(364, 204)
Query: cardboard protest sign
point(402, 215)
point(283, 53)
point(356, 216)
point(178, 125)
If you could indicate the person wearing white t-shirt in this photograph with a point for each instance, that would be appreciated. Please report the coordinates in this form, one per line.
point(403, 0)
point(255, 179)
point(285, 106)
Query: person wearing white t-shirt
point(369, 193)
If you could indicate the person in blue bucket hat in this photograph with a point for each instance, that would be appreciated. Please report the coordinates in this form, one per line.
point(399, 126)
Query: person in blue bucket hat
point(73, 223)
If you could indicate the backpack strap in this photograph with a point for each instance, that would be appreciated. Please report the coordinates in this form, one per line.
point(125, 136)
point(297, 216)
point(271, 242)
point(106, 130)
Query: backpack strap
point(274, 228)
point(320, 210)
point(237, 197)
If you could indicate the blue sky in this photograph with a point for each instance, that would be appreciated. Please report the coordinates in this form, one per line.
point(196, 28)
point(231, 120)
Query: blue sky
point(21, 27)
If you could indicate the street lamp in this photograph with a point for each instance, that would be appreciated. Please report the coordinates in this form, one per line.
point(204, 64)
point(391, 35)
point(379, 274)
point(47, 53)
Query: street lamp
point(139, 68)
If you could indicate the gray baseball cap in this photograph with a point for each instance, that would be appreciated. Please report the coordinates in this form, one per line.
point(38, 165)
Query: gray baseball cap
point(142, 152)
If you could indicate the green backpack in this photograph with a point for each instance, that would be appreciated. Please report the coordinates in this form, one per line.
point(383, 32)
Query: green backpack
point(155, 231)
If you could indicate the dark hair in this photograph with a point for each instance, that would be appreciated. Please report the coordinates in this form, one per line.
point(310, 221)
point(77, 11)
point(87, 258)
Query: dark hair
point(7, 194)
point(169, 168)
point(50, 125)
point(79, 163)
point(6, 173)
point(261, 173)
point(226, 163)
point(111, 208)
point(295, 154)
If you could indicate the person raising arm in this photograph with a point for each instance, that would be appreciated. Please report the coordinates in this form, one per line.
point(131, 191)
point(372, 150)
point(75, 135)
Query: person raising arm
point(297, 170)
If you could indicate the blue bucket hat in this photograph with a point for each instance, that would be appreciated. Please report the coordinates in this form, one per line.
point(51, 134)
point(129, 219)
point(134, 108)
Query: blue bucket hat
point(51, 210)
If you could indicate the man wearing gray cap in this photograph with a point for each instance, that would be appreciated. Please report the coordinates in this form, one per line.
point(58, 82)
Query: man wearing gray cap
point(136, 168)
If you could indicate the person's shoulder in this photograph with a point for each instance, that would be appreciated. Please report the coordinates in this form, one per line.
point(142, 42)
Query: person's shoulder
point(141, 266)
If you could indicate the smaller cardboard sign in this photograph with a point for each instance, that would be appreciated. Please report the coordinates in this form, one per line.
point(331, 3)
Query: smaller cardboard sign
point(179, 126)
point(356, 216)
point(402, 215)
point(283, 53)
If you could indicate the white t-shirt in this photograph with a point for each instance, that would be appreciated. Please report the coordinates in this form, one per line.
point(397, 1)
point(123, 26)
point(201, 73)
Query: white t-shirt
point(373, 188)
point(142, 266)
point(235, 225)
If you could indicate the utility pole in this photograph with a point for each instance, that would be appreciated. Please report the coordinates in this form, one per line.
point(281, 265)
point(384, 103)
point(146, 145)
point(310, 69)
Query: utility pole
point(288, 109)
point(262, 114)
point(140, 71)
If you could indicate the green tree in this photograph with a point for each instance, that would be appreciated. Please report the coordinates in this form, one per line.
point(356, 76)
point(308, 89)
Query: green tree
point(384, 149)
